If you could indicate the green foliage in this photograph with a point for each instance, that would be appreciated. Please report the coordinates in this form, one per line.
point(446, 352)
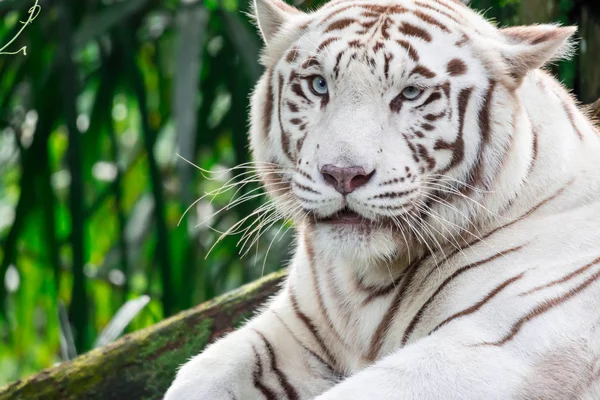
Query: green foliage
point(91, 191)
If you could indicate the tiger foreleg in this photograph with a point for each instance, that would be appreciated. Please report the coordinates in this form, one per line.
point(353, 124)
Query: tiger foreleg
point(262, 360)
point(436, 368)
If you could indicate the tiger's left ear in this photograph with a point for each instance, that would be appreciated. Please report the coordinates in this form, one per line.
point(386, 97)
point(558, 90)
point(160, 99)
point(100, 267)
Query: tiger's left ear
point(271, 15)
point(530, 47)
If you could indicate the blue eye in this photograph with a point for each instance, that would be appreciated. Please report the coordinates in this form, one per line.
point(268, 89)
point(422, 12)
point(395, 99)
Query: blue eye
point(318, 85)
point(412, 92)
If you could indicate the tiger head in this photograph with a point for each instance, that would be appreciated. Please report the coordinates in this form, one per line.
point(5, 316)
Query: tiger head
point(387, 123)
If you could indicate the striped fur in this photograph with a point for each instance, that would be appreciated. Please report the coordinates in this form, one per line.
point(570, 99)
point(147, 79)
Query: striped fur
point(476, 272)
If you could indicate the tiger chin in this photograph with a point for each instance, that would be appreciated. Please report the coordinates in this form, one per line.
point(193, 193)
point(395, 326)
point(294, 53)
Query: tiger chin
point(446, 197)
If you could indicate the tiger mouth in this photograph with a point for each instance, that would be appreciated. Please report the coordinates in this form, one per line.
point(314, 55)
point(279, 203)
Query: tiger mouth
point(349, 217)
point(346, 216)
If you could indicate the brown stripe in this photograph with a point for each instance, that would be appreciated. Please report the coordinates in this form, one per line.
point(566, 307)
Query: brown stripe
point(366, 26)
point(326, 43)
point(310, 62)
point(336, 12)
point(292, 55)
point(463, 40)
point(340, 24)
point(387, 23)
point(564, 278)
point(310, 252)
point(397, 103)
point(571, 115)
point(456, 67)
point(324, 100)
point(297, 89)
point(424, 154)
point(532, 210)
point(303, 26)
point(484, 114)
point(417, 317)
point(446, 88)
point(332, 4)
point(451, 6)
point(412, 148)
point(306, 188)
point(336, 68)
point(305, 348)
point(257, 375)
point(476, 175)
point(283, 381)
point(412, 53)
point(431, 20)
point(377, 291)
point(414, 31)
point(310, 325)
point(386, 65)
point(435, 117)
point(437, 10)
point(393, 195)
point(385, 324)
point(474, 308)
point(304, 174)
point(385, 9)
point(458, 147)
point(423, 71)
point(285, 139)
point(355, 43)
point(268, 108)
point(300, 143)
point(534, 149)
point(542, 309)
point(434, 97)
point(369, 14)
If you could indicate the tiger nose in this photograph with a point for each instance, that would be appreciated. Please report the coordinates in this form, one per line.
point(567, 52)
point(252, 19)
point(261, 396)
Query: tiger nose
point(345, 180)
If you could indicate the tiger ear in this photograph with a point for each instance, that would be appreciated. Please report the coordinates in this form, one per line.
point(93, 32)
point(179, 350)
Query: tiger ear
point(530, 47)
point(271, 15)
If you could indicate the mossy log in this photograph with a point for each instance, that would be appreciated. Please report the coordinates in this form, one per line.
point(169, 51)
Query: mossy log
point(143, 364)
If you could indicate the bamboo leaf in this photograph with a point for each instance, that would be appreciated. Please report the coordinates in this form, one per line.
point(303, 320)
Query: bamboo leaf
point(122, 318)
point(68, 350)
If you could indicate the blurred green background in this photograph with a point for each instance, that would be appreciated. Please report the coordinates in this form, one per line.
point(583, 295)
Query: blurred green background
point(91, 188)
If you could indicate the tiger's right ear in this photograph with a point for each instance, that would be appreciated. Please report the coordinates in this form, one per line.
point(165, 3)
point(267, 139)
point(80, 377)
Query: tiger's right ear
point(530, 47)
point(271, 15)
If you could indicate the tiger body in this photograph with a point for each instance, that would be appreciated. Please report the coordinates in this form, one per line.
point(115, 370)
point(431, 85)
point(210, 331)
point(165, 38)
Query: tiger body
point(474, 272)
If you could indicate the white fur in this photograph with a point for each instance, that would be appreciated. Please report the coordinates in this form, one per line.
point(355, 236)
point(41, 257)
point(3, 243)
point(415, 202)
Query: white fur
point(549, 211)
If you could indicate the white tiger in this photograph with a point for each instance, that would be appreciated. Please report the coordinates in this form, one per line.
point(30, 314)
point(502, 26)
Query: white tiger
point(447, 199)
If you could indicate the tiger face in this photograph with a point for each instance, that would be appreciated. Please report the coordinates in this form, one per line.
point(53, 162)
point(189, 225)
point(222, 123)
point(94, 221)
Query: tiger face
point(375, 117)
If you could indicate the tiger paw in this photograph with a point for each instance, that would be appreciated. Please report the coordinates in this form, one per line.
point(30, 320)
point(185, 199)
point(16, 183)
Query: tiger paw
point(198, 391)
point(218, 373)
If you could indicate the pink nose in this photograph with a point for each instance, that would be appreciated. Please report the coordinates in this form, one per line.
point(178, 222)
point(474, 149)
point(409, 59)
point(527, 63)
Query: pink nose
point(345, 180)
